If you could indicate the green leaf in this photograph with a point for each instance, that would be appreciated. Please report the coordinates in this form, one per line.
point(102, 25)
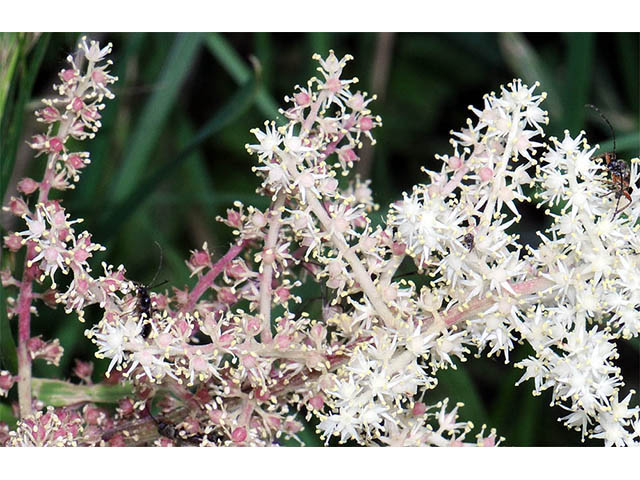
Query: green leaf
point(155, 115)
point(8, 355)
point(629, 142)
point(460, 388)
point(578, 80)
point(235, 107)
point(59, 393)
point(240, 72)
point(525, 62)
point(11, 126)
point(6, 416)
point(10, 50)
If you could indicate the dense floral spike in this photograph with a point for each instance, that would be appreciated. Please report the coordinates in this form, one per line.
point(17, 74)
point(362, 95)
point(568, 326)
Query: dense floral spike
point(366, 363)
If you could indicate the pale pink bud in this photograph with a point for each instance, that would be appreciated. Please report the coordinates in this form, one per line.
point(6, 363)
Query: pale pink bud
point(49, 114)
point(268, 256)
point(68, 74)
point(76, 161)
point(302, 99)
point(99, 77)
point(18, 207)
point(27, 185)
point(317, 402)
point(418, 409)
point(6, 382)
point(13, 242)
point(485, 174)
point(399, 248)
point(366, 123)
point(226, 295)
point(333, 84)
point(455, 162)
point(253, 326)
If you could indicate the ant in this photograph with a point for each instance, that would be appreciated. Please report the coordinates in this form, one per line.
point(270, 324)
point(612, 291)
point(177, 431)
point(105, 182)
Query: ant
point(618, 168)
point(143, 305)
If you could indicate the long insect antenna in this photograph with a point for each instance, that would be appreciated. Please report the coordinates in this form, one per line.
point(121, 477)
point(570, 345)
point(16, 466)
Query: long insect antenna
point(159, 265)
point(613, 134)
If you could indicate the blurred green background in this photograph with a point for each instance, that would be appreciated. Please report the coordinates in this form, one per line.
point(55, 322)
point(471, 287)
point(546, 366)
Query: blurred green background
point(171, 156)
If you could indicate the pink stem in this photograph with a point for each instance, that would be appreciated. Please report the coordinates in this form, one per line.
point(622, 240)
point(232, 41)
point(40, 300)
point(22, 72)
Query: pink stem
point(24, 334)
point(476, 305)
point(206, 281)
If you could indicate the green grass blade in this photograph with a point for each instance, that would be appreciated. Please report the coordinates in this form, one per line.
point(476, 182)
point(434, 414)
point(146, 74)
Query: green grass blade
point(60, 393)
point(459, 387)
point(222, 50)
point(8, 355)
point(156, 114)
point(10, 49)
point(629, 142)
point(10, 138)
point(6, 416)
point(578, 81)
point(235, 107)
point(525, 62)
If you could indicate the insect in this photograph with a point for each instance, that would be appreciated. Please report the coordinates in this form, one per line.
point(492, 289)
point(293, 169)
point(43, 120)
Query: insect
point(169, 430)
point(618, 169)
point(144, 306)
point(468, 241)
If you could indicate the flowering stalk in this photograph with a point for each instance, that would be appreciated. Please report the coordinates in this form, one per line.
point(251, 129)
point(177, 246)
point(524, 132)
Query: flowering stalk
point(241, 351)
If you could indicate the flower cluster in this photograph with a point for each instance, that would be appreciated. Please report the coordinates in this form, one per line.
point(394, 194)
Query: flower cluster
point(231, 360)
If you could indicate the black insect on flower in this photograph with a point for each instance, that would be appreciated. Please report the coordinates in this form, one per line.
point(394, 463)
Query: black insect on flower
point(618, 169)
point(468, 241)
point(144, 306)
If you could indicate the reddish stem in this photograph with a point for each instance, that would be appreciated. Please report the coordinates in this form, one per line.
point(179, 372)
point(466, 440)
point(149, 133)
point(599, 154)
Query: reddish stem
point(24, 334)
point(206, 281)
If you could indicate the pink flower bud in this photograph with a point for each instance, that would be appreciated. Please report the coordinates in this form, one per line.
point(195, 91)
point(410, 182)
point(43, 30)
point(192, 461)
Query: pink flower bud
point(399, 248)
point(226, 295)
point(18, 207)
point(485, 174)
point(6, 382)
point(55, 145)
point(455, 162)
point(333, 84)
point(302, 99)
point(49, 114)
point(99, 77)
point(27, 185)
point(200, 258)
point(317, 402)
point(68, 74)
point(13, 242)
point(76, 161)
point(239, 435)
point(234, 218)
point(418, 409)
point(366, 123)
point(77, 104)
point(126, 406)
point(253, 326)
point(268, 256)
point(216, 416)
point(83, 370)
